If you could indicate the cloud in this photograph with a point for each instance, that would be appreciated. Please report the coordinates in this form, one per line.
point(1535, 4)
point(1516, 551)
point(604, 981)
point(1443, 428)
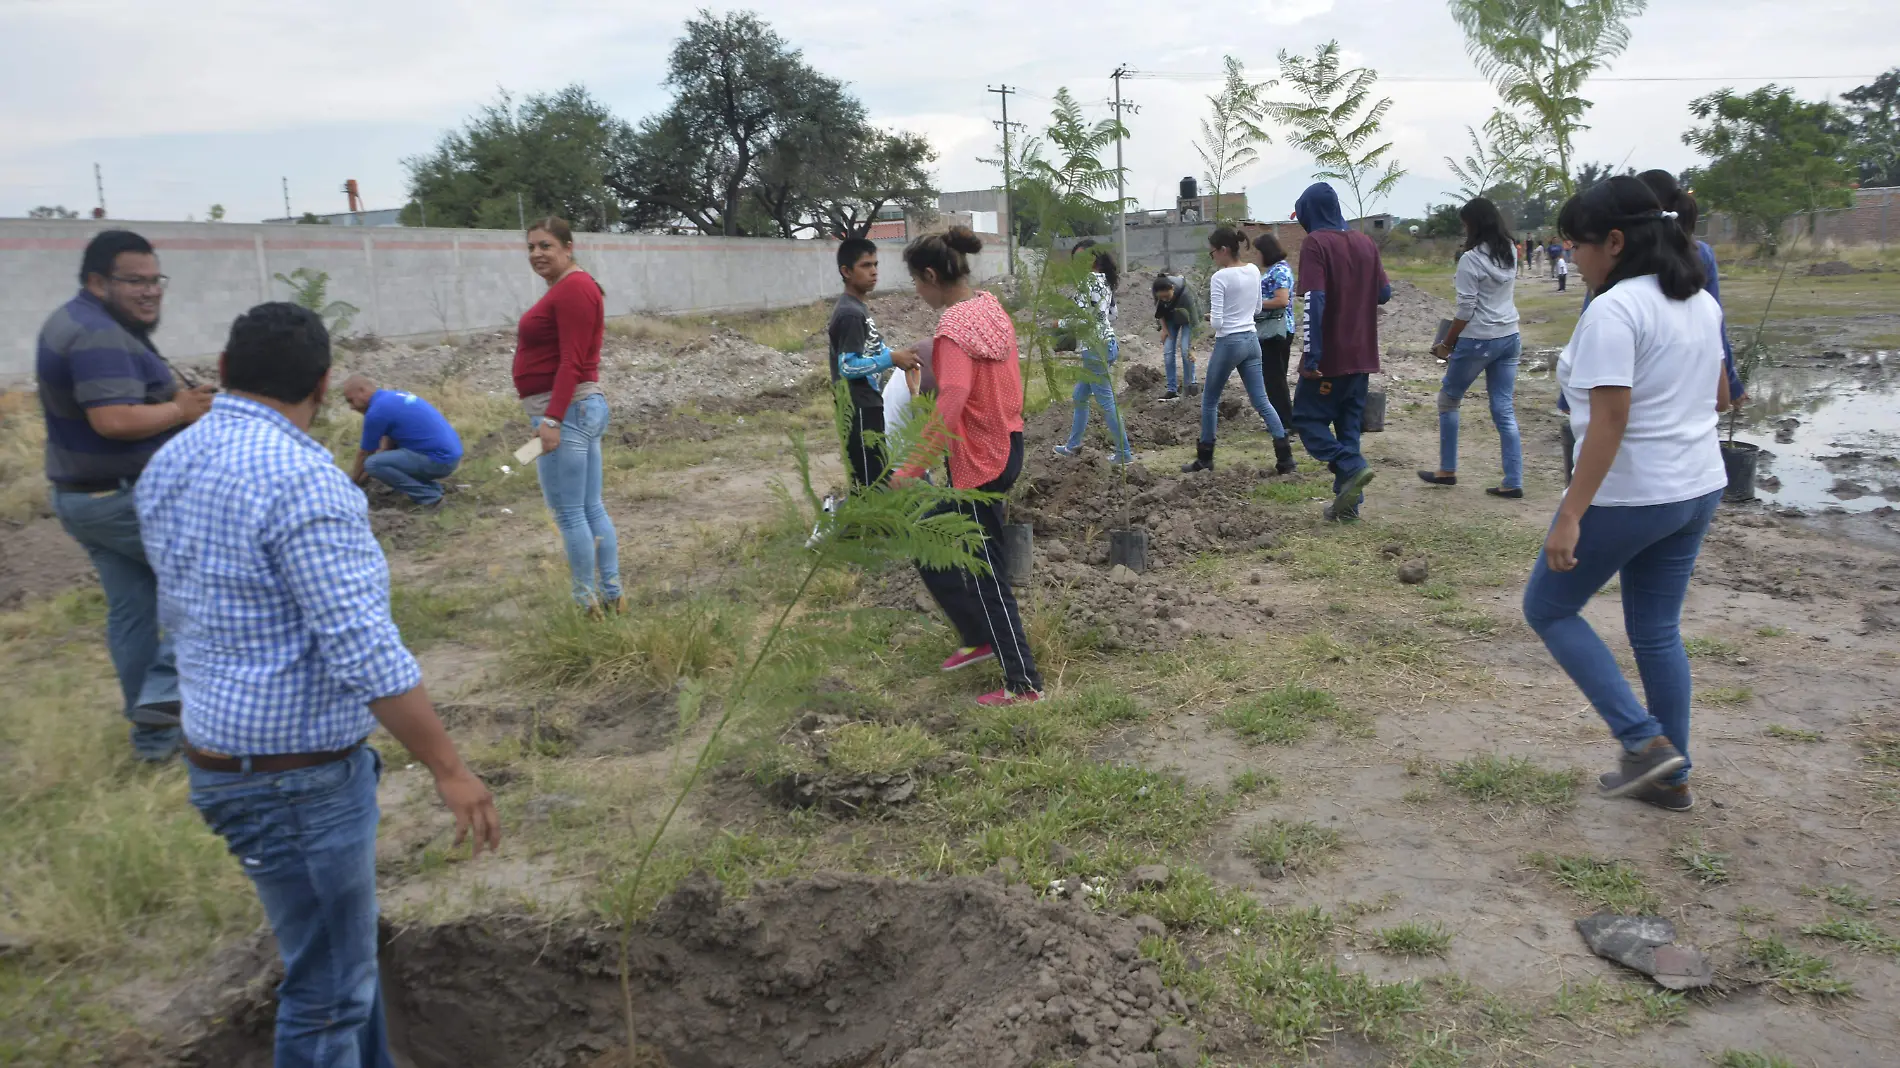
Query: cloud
point(1294, 12)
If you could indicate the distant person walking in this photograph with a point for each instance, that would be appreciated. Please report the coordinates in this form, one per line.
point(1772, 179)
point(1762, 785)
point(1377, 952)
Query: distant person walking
point(1643, 375)
point(1098, 348)
point(1341, 285)
point(278, 596)
point(110, 401)
point(1563, 273)
point(557, 374)
point(1274, 323)
point(406, 443)
point(979, 381)
point(1554, 254)
point(1233, 298)
point(1483, 339)
point(1174, 314)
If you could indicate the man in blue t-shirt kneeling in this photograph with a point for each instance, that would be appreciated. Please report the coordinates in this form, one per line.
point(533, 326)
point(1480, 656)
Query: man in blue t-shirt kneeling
point(407, 445)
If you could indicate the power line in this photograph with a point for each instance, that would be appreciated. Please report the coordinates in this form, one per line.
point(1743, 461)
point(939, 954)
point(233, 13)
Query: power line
point(1202, 76)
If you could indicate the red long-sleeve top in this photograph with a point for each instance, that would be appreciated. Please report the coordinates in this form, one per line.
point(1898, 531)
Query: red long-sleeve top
point(557, 345)
point(979, 389)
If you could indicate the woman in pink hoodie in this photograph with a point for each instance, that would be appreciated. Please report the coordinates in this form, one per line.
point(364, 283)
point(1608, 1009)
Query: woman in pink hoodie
point(980, 401)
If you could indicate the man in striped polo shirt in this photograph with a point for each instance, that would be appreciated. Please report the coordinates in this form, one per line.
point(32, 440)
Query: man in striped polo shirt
point(110, 401)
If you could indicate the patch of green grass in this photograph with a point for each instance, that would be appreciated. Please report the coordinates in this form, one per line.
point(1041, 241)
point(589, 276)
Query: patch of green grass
point(1472, 621)
point(1793, 970)
point(1413, 939)
point(80, 608)
point(1882, 749)
point(877, 749)
point(1771, 632)
point(1860, 934)
point(1735, 1058)
point(1706, 865)
point(1792, 734)
point(1282, 716)
point(1292, 491)
point(1610, 884)
point(1281, 846)
point(1703, 647)
point(1513, 782)
point(1295, 999)
point(1250, 782)
point(1753, 914)
point(425, 614)
point(1725, 696)
point(1843, 895)
point(654, 646)
point(1435, 1049)
point(1577, 1001)
point(1194, 901)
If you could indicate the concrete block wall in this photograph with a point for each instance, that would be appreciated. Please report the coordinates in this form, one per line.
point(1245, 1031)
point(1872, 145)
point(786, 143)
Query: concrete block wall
point(407, 282)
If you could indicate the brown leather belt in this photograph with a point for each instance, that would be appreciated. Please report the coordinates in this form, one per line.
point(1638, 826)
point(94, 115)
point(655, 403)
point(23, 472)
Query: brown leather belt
point(268, 763)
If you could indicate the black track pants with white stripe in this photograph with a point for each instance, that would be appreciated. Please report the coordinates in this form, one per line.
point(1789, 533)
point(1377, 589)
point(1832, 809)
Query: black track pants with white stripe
point(981, 607)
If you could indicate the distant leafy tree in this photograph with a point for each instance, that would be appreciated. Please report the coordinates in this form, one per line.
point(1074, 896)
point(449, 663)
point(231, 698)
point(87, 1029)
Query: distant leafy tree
point(1232, 129)
point(1873, 111)
point(546, 155)
point(1441, 220)
point(310, 218)
point(215, 213)
point(1490, 161)
point(1057, 196)
point(311, 289)
point(1335, 119)
point(56, 211)
point(1591, 175)
point(1771, 157)
point(1539, 53)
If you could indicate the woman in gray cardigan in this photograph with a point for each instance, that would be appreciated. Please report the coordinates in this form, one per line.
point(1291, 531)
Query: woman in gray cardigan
point(1483, 339)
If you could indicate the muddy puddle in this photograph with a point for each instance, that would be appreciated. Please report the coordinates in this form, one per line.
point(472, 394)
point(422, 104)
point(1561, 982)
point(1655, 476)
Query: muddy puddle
point(1829, 429)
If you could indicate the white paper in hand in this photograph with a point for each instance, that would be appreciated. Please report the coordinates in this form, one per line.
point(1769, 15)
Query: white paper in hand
point(529, 452)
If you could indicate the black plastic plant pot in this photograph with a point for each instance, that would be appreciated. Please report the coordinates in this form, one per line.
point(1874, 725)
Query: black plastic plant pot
point(1019, 550)
point(1742, 460)
point(1374, 420)
point(1128, 548)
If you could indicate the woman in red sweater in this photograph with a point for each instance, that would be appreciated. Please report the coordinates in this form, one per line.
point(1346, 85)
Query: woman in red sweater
point(980, 401)
point(557, 374)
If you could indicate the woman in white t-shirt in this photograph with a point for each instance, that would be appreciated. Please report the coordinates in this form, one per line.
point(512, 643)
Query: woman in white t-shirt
point(1234, 297)
point(1643, 375)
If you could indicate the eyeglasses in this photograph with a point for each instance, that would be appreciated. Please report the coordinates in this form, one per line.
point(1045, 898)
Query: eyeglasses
point(158, 282)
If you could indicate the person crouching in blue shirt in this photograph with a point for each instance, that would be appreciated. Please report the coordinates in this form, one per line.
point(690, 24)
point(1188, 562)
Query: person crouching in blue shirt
point(277, 596)
point(407, 445)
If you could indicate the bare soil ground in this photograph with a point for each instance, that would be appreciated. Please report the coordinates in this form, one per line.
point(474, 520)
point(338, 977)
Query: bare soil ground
point(1283, 808)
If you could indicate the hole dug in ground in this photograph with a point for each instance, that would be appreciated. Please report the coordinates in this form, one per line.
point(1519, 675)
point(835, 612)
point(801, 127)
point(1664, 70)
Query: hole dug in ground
point(831, 972)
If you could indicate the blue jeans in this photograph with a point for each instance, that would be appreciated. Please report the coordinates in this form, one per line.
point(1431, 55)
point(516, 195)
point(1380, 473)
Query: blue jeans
point(1328, 414)
point(1178, 340)
point(570, 483)
point(1097, 383)
point(106, 525)
point(1236, 352)
point(1496, 358)
point(307, 840)
point(409, 472)
point(1654, 549)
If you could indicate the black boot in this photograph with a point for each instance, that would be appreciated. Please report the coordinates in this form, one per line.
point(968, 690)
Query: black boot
point(1203, 459)
point(1283, 457)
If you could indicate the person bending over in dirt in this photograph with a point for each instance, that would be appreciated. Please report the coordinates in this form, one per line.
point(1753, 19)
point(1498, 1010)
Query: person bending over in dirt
point(1483, 339)
point(979, 380)
point(278, 595)
point(1643, 374)
point(860, 356)
point(407, 445)
point(1174, 314)
point(1341, 285)
point(1233, 297)
point(1096, 298)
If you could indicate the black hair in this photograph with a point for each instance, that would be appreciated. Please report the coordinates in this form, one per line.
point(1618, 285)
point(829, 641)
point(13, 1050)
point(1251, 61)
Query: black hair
point(1673, 197)
point(1652, 242)
point(1269, 248)
point(1104, 261)
point(1162, 281)
point(277, 350)
point(853, 249)
point(1228, 238)
point(947, 254)
point(104, 250)
point(1484, 228)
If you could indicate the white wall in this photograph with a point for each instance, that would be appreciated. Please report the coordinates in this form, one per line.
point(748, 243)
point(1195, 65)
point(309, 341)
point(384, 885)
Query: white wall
point(407, 282)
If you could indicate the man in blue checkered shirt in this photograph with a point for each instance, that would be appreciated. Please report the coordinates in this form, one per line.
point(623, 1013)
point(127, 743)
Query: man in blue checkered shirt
point(277, 598)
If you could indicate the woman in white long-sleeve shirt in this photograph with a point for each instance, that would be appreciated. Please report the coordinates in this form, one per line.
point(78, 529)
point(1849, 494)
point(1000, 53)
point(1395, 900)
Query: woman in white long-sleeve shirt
point(1234, 297)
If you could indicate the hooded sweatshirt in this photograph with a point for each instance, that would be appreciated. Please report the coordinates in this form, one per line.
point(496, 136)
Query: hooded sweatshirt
point(1340, 287)
point(979, 389)
point(1178, 311)
point(1486, 295)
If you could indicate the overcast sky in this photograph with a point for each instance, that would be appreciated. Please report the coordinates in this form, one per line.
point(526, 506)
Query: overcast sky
point(194, 102)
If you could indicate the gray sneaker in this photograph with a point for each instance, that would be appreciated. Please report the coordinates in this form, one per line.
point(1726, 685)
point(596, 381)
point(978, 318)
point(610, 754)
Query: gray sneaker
point(1657, 758)
point(1346, 502)
point(1660, 794)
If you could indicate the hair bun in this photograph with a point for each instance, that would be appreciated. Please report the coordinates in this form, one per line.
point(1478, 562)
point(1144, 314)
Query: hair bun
point(963, 239)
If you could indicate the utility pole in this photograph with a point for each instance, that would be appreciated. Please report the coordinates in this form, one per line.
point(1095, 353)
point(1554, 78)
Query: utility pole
point(288, 217)
point(1121, 175)
point(1009, 206)
point(99, 182)
point(520, 212)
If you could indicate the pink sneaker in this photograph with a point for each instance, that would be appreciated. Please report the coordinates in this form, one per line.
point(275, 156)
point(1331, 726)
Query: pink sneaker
point(969, 654)
point(1002, 698)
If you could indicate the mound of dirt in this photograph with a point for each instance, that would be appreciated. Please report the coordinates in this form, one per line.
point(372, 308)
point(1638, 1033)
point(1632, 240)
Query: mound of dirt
point(838, 971)
point(1831, 268)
